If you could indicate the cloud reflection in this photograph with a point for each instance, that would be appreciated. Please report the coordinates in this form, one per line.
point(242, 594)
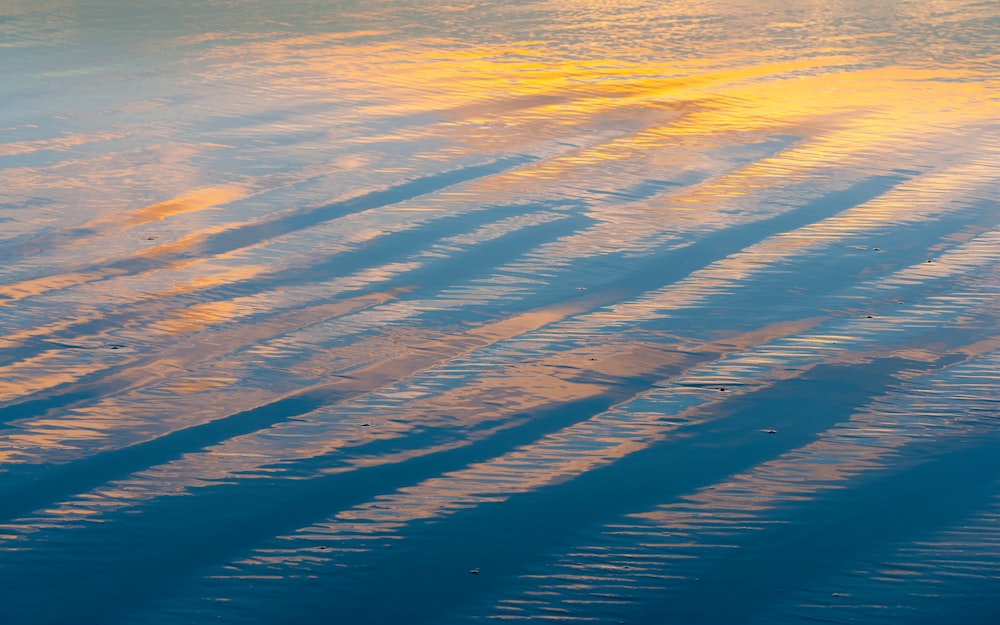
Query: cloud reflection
point(479, 252)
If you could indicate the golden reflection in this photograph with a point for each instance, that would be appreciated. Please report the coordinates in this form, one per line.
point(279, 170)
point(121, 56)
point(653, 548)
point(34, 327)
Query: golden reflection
point(10, 293)
point(58, 144)
point(194, 201)
point(520, 89)
point(39, 286)
point(89, 429)
point(634, 106)
point(752, 365)
point(47, 370)
point(844, 112)
point(643, 127)
point(189, 371)
point(31, 375)
point(856, 127)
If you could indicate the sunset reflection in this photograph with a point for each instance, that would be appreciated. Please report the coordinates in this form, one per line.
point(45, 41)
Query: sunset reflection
point(445, 312)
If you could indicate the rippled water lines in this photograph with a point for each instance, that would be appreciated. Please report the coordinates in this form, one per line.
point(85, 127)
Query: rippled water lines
point(593, 443)
point(838, 341)
point(483, 288)
point(693, 534)
point(543, 256)
point(204, 314)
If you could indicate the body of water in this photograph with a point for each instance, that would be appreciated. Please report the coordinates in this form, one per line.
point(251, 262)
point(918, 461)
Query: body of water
point(647, 312)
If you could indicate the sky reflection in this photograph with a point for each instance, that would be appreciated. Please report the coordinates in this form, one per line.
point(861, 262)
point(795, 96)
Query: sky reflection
point(584, 296)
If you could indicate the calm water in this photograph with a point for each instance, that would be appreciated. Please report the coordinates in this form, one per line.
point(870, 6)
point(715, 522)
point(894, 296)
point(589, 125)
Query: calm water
point(449, 312)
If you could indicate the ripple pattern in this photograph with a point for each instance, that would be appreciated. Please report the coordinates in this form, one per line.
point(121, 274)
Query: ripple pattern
point(423, 312)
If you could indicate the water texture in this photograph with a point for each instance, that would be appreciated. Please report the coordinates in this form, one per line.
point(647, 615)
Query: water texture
point(456, 312)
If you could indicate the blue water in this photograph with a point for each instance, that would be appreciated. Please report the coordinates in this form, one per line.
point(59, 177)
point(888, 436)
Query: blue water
point(425, 312)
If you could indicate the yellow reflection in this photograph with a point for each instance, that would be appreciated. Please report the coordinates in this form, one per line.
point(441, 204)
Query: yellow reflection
point(611, 116)
point(617, 111)
point(194, 201)
point(37, 286)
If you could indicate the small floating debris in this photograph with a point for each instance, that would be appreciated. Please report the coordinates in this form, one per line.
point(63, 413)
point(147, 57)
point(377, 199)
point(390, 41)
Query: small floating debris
point(366, 425)
point(474, 571)
point(769, 431)
point(869, 317)
point(322, 547)
point(723, 389)
point(116, 346)
point(876, 249)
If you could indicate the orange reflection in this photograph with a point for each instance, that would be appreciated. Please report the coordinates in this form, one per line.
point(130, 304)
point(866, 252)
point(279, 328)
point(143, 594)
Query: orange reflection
point(56, 144)
point(38, 286)
point(194, 201)
point(44, 371)
point(600, 124)
point(630, 111)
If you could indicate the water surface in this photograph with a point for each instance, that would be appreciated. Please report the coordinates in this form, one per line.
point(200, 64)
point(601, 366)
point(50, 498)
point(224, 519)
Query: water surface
point(428, 312)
